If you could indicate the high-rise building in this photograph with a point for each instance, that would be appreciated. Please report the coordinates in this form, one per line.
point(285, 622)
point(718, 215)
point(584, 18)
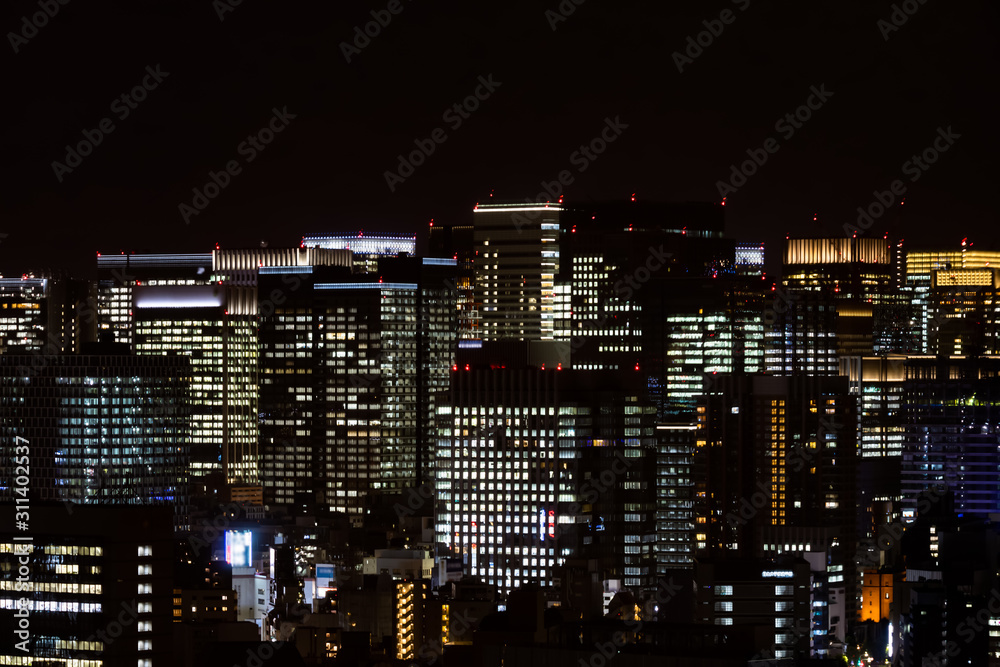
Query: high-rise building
point(920, 283)
point(516, 265)
point(91, 588)
point(654, 285)
point(802, 337)
point(204, 306)
point(351, 369)
point(215, 327)
point(119, 274)
point(851, 268)
point(835, 291)
point(502, 475)
point(43, 315)
point(952, 432)
point(107, 428)
point(706, 326)
point(964, 306)
point(878, 384)
point(538, 464)
point(675, 527)
point(775, 471)
point(456, 242)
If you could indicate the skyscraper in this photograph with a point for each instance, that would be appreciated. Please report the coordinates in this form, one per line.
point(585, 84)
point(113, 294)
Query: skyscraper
point(834, 291)
point(539, 464)
point(517, 261)
point(215, 327)
point(775, 471)
point(927, 312)
point(351, 368)
point(106, 429)
point(952, 434)
point(43, 315)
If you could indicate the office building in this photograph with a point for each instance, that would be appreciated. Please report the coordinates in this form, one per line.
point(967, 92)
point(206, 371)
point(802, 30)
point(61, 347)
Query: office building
point(516, 264)
point(675, 527)
point(775, 471)
point(376, 350)
point(456, 242)
point(44, 315)
point(773, 594)
point(214, 326)
point(538, 464)
point(102, 429)
point(90, 592)
point(501, 475)
point(119, 274)
point(929, 310)
point(834, 293)
point(952, 434)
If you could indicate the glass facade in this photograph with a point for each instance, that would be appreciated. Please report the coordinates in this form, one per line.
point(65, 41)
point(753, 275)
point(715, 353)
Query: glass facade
point(102, 429)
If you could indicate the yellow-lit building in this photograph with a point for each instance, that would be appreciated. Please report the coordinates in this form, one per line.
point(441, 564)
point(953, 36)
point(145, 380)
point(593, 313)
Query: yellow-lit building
point(876, 596)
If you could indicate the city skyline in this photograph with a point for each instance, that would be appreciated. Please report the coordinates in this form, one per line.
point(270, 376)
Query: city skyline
point(564, 333)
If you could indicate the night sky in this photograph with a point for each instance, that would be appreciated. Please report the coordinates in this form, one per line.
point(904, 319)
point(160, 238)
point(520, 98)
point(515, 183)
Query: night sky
point(325, 171)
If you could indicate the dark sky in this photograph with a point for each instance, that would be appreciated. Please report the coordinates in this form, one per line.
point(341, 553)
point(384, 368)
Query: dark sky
point(325, 171)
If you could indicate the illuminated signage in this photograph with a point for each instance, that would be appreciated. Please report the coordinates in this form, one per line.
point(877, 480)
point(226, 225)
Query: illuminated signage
point(238, 548)
point(777, 574)
point(324, 575)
